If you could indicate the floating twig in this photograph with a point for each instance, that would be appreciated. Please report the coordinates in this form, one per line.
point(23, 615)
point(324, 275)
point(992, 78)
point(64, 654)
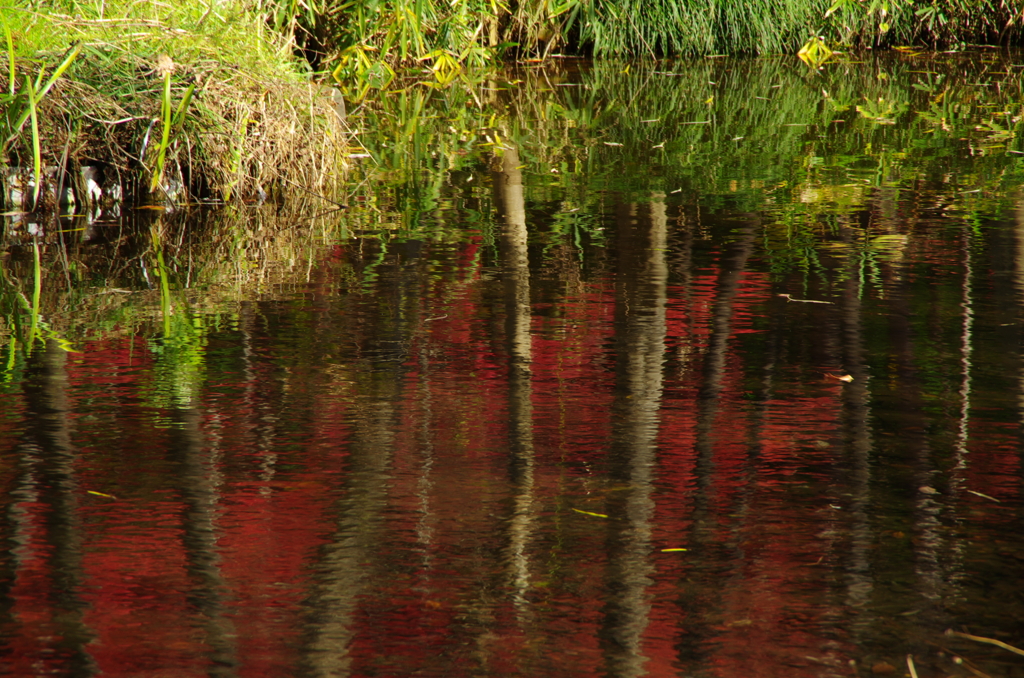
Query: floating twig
point(985, 496)
point(910, 665)
point(788, 297)
point(982, 639)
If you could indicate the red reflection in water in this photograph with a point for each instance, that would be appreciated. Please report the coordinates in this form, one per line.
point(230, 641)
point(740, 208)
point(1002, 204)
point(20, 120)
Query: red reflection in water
point(472, 567)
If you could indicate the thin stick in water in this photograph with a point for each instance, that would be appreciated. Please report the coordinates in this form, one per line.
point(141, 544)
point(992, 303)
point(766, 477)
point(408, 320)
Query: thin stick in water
point(910, 665)
point(982, 639)
point(788, 297)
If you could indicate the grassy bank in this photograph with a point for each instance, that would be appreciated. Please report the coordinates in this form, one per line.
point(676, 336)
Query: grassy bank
point(366, 33)
point(198, 99)
point(169, 100)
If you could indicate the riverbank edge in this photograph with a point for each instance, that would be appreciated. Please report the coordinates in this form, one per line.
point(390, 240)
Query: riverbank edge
point(154, 109)
point(141, 110)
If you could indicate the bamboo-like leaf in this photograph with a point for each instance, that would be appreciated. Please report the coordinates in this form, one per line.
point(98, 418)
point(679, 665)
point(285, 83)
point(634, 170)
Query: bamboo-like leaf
point(165, 138)
point(179, 113)
point(40, 93)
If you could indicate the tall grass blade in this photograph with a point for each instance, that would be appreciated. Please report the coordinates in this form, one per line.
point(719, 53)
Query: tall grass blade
point(37, 155)
point(164, 66)
point(10, 55)
point(179, 114)
point(40, 93)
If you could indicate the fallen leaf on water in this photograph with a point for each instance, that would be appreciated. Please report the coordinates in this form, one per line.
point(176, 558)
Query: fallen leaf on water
point(673, 550)
point(841, 377)
point(100, 494)
point(739, 622)
point(589, 513)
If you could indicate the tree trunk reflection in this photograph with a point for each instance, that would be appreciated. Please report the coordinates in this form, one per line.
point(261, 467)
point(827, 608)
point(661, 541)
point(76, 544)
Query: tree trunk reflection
point(199, 482)
point(732, 267)
point(511, 206)
point(346, 567)
point(640, 294)
point(1019, 280)
point(48, 449)
point(859, 441)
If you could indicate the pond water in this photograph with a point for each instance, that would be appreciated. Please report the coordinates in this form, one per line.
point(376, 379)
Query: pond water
point(681, 369)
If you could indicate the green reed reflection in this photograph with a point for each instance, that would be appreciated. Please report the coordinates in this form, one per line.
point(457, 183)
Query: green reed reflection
point(180, 348)
point(826, 157)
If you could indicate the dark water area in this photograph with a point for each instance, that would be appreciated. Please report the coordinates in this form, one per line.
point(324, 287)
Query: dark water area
point(693, 410)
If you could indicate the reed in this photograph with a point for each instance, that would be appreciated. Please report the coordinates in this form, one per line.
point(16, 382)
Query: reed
point(952, 23)
point(475, 31)
point(360, 41)
point(21, 106)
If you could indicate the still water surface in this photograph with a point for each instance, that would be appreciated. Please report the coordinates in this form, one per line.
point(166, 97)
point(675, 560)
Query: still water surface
point(690, 410)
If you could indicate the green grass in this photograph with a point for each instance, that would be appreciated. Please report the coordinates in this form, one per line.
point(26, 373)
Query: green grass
point(213, 97)
point(704, 27)
point(208, 94)
point(356, 37)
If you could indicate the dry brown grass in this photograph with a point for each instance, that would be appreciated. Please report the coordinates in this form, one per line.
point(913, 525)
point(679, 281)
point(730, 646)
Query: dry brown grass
point(255, 124)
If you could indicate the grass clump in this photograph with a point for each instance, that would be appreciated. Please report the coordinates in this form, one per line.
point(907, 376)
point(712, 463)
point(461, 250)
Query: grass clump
point(196, 98)
point(362, 40)
point(927, 23)
point(704, 27)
